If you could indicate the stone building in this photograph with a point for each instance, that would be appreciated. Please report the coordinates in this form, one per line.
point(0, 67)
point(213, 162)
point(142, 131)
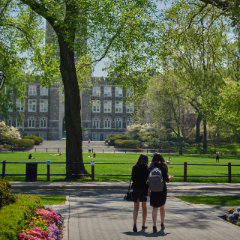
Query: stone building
point(103, 111)
point(43, 112)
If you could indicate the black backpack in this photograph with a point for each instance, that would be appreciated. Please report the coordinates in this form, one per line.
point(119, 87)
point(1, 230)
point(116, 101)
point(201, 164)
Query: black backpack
point(155, 180)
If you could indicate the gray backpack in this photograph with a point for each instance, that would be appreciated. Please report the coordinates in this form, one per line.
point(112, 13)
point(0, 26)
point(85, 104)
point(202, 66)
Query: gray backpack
point(155, 180)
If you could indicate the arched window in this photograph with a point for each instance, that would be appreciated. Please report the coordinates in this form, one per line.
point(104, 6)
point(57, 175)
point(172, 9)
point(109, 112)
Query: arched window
point(129, 122)
point(107, 123)
point(118, 123)
point(96, 123)
point(43, 122)
point(31, 122)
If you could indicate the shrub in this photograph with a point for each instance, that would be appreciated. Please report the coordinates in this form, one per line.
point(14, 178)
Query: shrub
point(7, 134)
point(128, 143)
point(14, 216)
point(114, 137)
point(6, 196)
point(23, 142)
point(37, 140)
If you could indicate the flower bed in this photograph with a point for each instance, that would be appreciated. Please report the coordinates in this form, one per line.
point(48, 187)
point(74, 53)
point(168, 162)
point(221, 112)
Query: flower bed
point(233, 216)
point(46, 224)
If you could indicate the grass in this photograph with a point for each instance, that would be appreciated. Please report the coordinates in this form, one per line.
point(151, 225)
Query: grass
point(52, 200)
point(212, 200)
point(228, 148)
point(104, 168)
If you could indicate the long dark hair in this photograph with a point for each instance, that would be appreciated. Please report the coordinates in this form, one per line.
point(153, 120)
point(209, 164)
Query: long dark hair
point(158, 160)
point(143, 159)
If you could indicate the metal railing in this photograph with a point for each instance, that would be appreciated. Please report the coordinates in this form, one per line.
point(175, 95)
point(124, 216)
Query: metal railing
point(92, 174)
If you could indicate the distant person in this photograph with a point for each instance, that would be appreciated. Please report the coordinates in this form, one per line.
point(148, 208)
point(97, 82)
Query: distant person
point(108, 142)
point(158, 199)
point(169, 160)
point(30, 156)
point(50, 154)
point(217, 156)
point(60, 154)
point(94, 155)
point(139, 177)
point(89, 141)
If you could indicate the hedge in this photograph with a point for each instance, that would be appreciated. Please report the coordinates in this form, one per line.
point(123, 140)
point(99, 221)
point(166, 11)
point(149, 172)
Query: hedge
point(128, 143)
point(23, 142)
point(14, 216)
point(37, 140)
point(6, 196)
point(114, 137)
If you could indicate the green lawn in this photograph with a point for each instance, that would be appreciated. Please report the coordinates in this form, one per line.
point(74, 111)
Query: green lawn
point(212, 200)
point(228, 148)
point(52, 200)
point(176, 170)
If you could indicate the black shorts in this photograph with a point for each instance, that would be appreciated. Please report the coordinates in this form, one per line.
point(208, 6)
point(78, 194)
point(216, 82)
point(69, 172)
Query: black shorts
point(140, 194)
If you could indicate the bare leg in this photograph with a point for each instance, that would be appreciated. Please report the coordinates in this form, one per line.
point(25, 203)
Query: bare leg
point(144, 213)
point(135, 211)
point(154, 216)
point(162, 213)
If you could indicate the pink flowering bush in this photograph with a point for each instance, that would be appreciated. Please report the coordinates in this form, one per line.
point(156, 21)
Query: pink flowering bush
point(44, 225)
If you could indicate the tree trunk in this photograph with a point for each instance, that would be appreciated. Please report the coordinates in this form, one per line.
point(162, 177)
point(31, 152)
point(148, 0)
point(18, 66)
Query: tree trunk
point(72, 112)
point(180, 143)
point(199, 119)
point(205, 136)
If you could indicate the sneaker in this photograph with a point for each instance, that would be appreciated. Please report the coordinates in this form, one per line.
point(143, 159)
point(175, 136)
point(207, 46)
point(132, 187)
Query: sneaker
point(144, 227)
point(154, 229)
point(134, 228)
point(162, 226)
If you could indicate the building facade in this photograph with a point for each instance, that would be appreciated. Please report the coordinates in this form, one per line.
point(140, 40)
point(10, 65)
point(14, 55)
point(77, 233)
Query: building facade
point(103, 111)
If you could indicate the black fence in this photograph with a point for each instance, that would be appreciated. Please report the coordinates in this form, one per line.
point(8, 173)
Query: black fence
point(92, 175)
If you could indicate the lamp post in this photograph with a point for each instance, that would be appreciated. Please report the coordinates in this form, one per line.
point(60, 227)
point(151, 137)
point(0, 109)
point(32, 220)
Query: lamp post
point(2, 79)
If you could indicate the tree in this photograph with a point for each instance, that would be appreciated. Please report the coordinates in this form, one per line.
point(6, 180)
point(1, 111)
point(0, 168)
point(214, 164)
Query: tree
point(7, 134)
point(195, 54)
point(168, 105)
point(88, 31)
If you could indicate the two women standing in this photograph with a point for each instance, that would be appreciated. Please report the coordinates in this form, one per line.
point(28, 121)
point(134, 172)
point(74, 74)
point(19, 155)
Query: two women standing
point(140, 173)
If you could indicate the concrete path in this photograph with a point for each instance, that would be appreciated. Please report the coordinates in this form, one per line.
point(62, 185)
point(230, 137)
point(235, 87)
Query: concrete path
point(102, 214)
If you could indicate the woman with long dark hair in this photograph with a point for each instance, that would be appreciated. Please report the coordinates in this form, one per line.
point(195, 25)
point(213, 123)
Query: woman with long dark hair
point(139, 177)
point(158, 199)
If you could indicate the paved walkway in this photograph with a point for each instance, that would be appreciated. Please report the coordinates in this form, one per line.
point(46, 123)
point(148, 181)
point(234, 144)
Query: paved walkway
point(102, 214)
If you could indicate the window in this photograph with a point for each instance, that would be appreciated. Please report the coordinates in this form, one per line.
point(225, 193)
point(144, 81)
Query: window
point(20, 106)
point(118, 123)
point(9, 122)
point(31, 122)
point(10, 106)
point(96, 106)
point(107, 123)
point(43, 105)
point(31, 134)
point(107, 106)
point(118, 107)
point(96, 123)
point(129, 92)
point(43, 122)
point(19, 124)
point(96, 136)
point(43, 135)
point(32, 105)
point(105, 135)
point(130, 108)
point(96, 91)
point(129, 122)
point(107, 91)
point(32, 90)
point(43, 91)
point(118, 92)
